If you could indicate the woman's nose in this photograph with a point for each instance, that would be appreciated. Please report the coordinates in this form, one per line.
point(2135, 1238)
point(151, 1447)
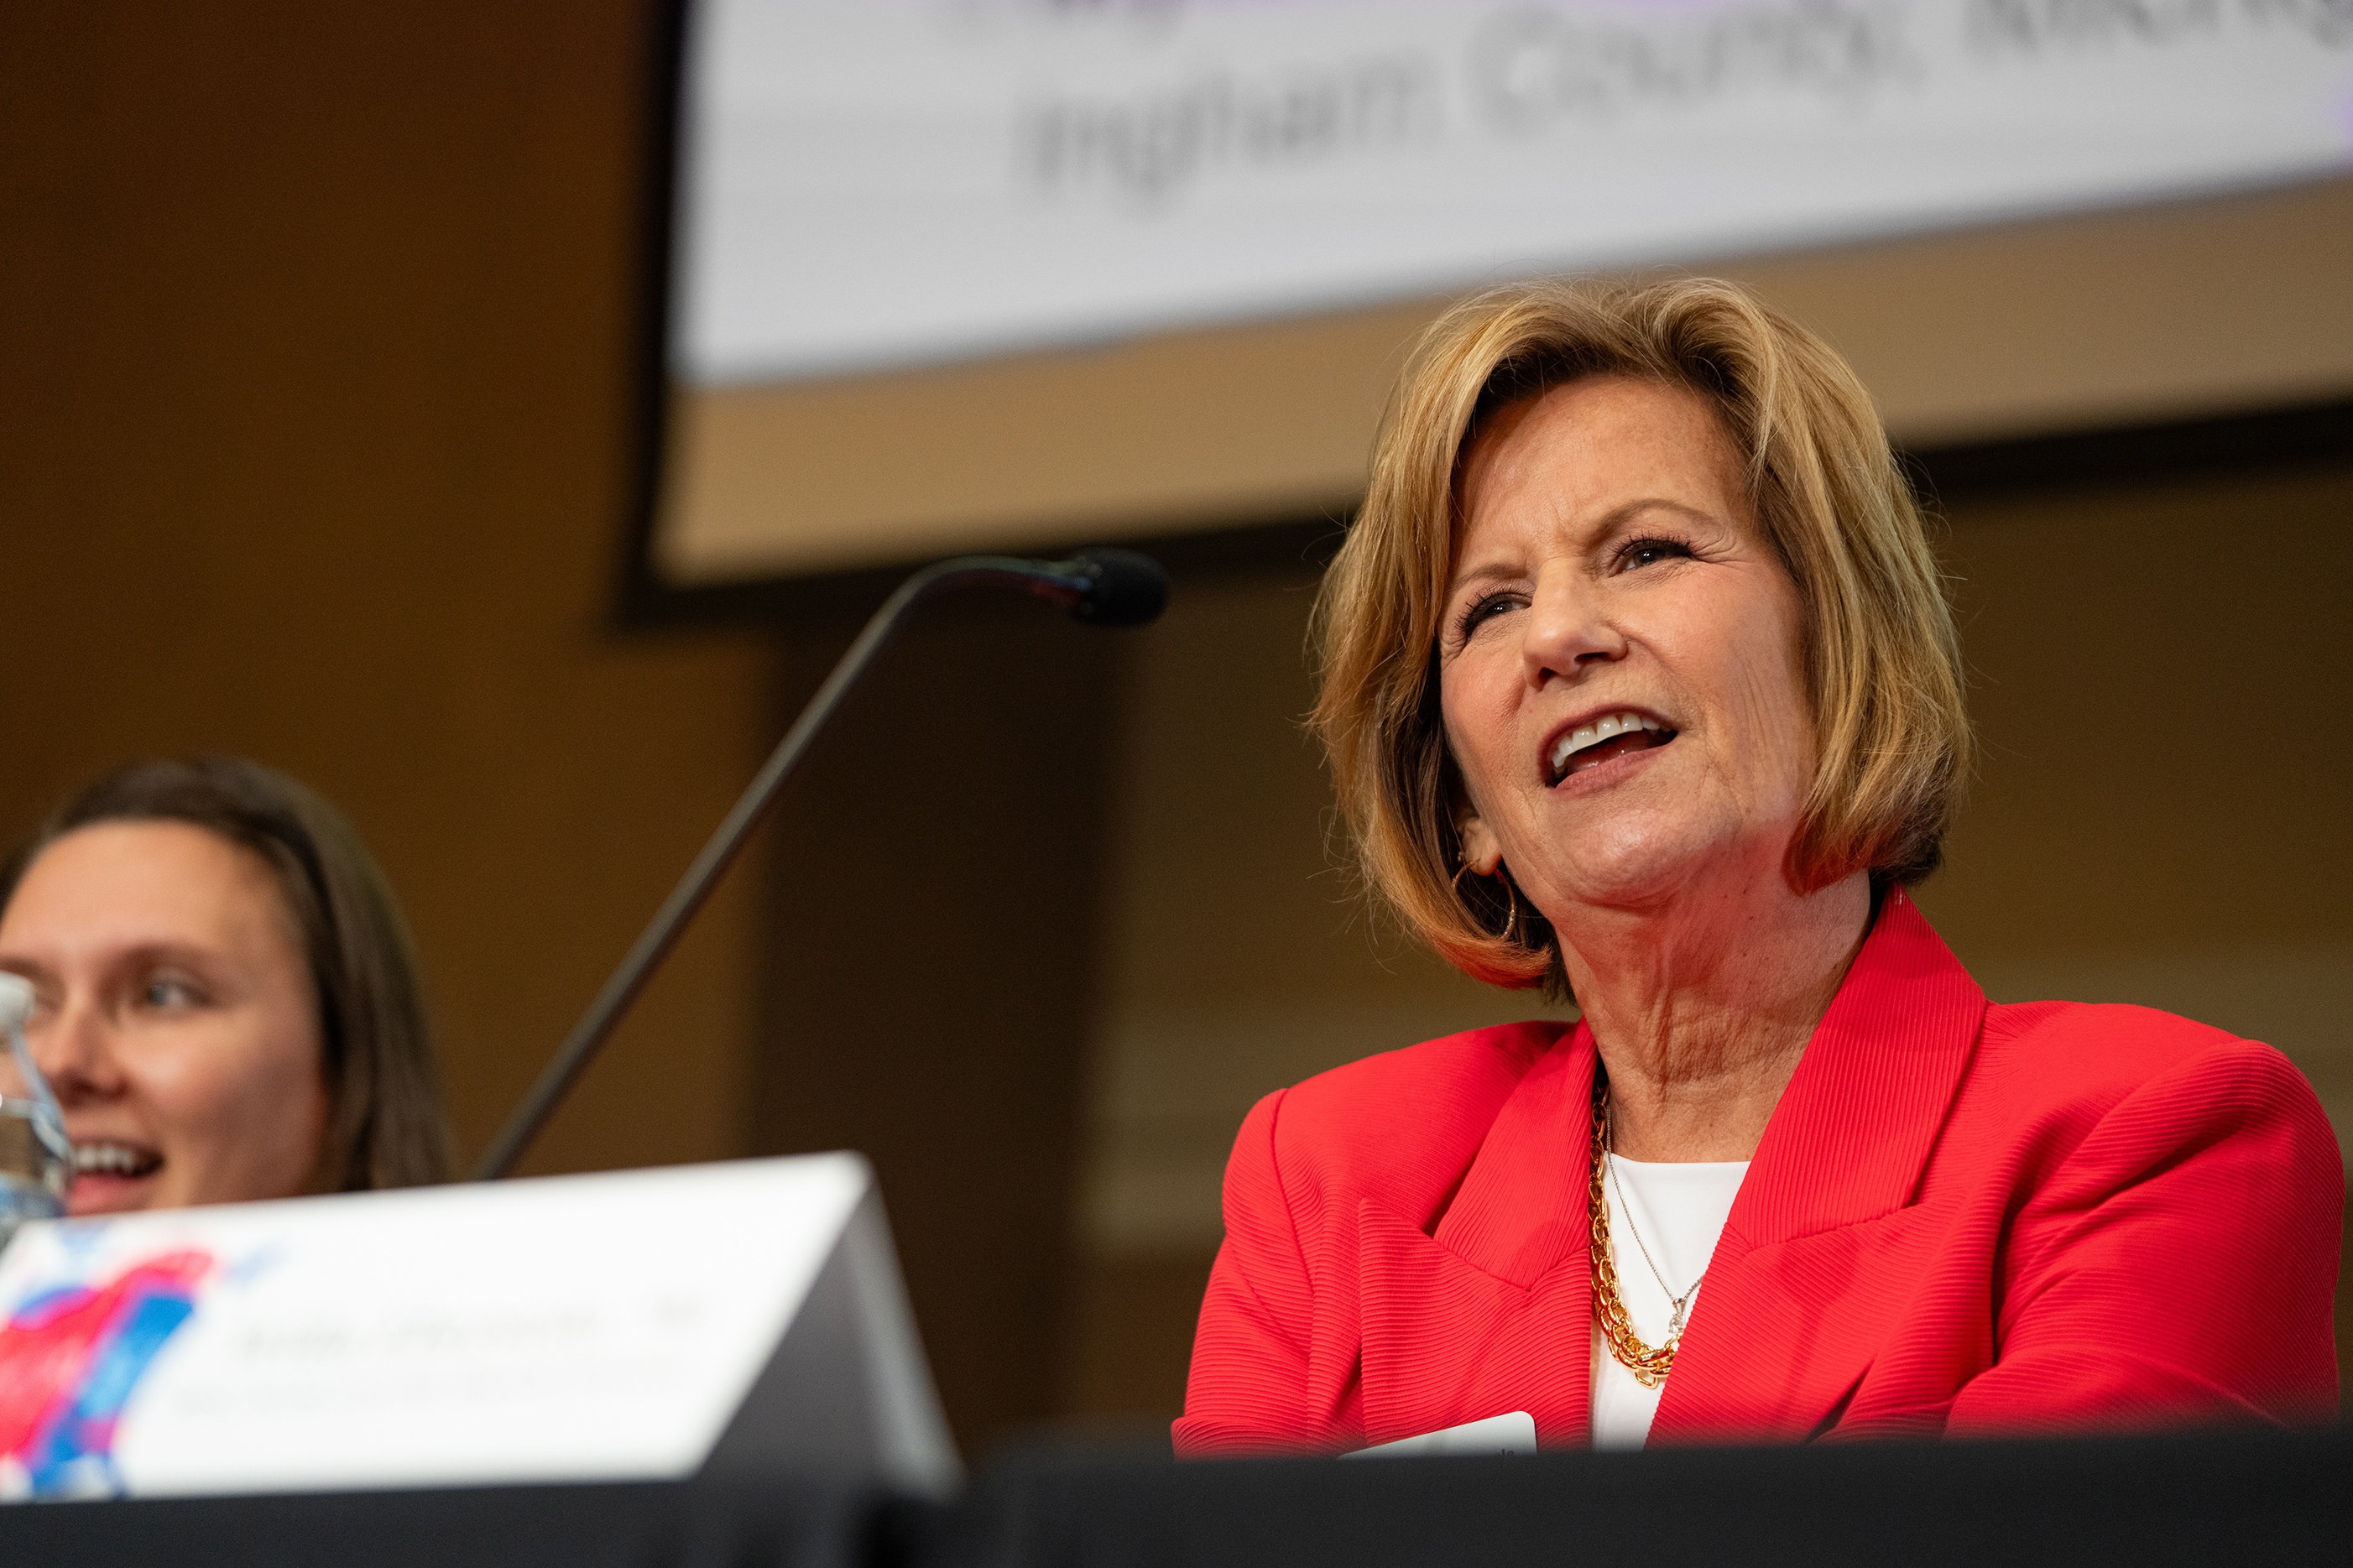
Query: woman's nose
point(74, 1048)
point(1568, 630)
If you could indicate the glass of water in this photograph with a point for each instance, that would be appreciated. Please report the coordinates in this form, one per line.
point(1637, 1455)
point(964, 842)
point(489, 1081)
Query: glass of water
point(37, 1160)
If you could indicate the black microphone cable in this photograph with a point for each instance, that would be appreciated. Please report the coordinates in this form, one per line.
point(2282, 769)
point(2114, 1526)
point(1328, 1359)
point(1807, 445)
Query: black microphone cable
point(1103, 586)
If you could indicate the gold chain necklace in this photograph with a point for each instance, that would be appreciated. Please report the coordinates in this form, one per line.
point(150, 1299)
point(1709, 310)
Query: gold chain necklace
point(1649, 1366)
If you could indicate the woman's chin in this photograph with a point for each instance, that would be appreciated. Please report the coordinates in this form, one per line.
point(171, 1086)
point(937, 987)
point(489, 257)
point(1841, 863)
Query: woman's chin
point(1635, 870)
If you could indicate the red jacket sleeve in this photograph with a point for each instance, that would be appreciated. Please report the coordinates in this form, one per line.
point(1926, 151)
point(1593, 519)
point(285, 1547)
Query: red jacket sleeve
point(2178, 1265)
point(1250, 1388)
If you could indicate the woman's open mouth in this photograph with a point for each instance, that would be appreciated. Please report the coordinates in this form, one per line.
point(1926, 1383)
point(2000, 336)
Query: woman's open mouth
point(1590, 745)
point(106, 1173)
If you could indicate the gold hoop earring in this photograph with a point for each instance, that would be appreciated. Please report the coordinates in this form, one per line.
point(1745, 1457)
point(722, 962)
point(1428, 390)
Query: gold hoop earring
point(1511, 920)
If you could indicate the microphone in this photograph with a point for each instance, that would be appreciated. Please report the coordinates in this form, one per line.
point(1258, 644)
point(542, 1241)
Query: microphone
point(1113, 587)
point(1101, 586)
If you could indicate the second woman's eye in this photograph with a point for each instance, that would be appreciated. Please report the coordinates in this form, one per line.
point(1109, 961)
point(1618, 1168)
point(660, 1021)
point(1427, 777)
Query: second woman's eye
point(1642, 552)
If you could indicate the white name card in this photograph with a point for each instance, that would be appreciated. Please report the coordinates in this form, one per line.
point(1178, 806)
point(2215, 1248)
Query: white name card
point(1515, 1433)
point(734, 1318)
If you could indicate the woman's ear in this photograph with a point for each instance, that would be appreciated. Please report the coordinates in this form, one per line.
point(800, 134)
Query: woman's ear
point(1482, 852)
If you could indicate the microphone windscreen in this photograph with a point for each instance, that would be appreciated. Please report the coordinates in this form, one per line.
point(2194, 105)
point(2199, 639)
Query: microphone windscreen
point(1126, 589)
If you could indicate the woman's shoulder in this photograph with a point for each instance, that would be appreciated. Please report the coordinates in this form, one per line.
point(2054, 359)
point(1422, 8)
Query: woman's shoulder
point(2110, 1041)
point(2092, 1058)
point(1391, 1125)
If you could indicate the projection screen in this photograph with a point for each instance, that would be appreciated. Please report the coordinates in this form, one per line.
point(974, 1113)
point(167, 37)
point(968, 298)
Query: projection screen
point(953, 273)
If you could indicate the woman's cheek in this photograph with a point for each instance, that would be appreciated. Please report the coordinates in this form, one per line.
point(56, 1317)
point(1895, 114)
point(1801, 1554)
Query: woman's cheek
point(1494, 712)
point(212, 1088)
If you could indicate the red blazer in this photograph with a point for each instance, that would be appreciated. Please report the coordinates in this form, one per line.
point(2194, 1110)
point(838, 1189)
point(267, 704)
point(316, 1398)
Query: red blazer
point(1963, 1220)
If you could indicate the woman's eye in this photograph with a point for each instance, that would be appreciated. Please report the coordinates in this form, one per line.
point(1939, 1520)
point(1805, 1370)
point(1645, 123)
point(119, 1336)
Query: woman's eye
point(1649, 552)
point(168, 992)
point(1481, 612)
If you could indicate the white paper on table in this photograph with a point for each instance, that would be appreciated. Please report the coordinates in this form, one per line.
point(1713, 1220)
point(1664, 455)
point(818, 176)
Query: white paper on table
point(1513, 1433)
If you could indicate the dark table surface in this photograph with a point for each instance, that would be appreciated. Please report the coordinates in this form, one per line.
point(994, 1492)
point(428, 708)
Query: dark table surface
point(2272, 1497)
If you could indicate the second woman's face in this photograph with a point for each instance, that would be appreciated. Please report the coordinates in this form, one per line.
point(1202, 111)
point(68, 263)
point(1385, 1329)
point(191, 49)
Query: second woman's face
point(174, 1016)
point(1620, 664)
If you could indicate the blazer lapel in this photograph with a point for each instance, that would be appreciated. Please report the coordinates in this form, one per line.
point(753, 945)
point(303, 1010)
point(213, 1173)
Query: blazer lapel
point(1490, 1313)
point(1823, 1242)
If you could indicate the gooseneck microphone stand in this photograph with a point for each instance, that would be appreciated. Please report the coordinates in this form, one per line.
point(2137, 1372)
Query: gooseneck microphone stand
point(1103, 586)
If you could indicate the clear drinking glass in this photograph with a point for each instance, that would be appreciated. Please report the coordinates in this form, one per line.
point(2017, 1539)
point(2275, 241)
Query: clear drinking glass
point(36, 1160)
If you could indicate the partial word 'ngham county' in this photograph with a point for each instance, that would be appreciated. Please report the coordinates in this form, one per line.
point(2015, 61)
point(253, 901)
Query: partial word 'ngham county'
point(1153, 145)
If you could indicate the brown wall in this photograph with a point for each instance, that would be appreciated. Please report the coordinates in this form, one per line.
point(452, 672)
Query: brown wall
point(928, 969)
point(311, 425)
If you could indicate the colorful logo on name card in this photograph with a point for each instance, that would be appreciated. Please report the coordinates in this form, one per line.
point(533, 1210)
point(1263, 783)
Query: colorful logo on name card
point(70, 1358)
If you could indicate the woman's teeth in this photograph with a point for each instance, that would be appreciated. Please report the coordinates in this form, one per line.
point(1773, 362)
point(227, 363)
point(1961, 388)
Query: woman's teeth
point(113, 1159)
point(1608, 729)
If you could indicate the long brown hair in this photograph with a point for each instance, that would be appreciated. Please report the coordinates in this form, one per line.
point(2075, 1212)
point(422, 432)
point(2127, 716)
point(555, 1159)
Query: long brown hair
point(387, 1126)
point(1882, 658)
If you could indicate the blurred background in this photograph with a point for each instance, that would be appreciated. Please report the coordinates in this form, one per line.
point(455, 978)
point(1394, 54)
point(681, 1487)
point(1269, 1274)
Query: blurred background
point(338, 427)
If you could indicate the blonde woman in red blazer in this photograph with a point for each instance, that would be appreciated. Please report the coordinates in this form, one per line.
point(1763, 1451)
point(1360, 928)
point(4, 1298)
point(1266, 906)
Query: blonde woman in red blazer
point(1639, 685)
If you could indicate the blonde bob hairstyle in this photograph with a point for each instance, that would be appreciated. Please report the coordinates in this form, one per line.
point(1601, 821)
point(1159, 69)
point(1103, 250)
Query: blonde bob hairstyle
point(1882, 665)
